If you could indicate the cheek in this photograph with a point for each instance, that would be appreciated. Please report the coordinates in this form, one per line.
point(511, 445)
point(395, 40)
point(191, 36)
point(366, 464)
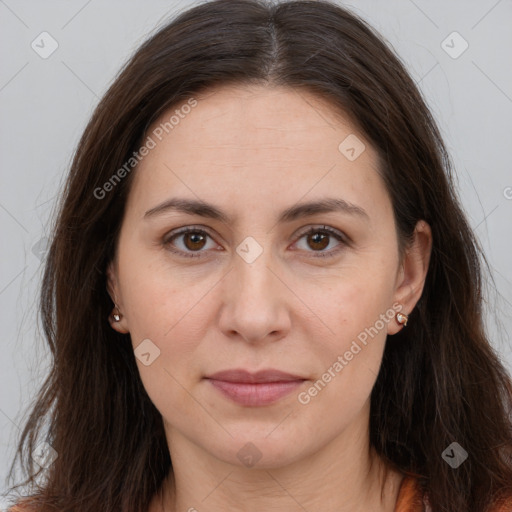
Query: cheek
point(356, 307)
point(349, 303)
point(155, 297)
point(350, 356)
point(170, 309)
point(174, 326)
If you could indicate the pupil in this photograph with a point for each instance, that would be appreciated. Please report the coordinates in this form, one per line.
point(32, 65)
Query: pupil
point(195, 238)
point(320, 238)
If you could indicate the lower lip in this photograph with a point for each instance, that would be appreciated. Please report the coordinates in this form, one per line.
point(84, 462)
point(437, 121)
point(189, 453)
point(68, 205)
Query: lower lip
point(263, 393)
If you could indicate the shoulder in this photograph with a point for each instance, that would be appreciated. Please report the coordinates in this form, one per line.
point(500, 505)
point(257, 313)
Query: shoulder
point(24, 505)
point(503, 505)
point(412, 498)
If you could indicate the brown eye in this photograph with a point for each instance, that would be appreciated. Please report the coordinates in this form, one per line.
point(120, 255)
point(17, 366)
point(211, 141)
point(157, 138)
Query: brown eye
point(189, 241)
point(318, 241)
point(194, 240)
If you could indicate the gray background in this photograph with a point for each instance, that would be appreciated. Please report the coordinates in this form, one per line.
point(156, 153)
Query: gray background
point(45, 104)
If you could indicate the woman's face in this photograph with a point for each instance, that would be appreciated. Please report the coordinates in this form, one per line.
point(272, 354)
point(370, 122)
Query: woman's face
point(248, 288)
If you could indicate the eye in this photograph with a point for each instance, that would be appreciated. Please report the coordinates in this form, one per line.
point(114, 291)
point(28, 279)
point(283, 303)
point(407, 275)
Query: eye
point(187, 241)
point(190, 240)
point(320, 238)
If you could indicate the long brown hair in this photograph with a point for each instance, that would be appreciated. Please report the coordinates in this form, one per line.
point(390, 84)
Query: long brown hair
point(440, 381)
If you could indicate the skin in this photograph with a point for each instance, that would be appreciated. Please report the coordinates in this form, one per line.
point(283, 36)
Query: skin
point(254, 151)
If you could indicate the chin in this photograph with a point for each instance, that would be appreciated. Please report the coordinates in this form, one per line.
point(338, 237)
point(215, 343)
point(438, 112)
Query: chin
point(260, 450)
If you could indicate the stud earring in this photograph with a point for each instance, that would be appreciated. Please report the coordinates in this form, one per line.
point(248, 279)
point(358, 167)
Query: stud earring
point(402, 318)
point(116, 316)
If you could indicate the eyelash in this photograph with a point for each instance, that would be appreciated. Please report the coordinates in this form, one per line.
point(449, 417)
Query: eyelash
point(317, 254)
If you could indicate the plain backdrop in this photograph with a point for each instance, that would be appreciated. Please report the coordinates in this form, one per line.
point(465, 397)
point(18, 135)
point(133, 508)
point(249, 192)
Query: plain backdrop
point(46, 102)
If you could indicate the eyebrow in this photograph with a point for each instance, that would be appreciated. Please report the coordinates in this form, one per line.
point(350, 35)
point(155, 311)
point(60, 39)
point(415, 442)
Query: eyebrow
point(305, 209)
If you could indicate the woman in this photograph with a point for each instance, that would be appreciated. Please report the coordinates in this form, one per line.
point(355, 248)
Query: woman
point(262, 293)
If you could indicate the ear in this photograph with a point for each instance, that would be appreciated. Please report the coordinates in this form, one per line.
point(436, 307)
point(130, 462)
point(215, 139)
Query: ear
point(413, 272)
point(115, 295)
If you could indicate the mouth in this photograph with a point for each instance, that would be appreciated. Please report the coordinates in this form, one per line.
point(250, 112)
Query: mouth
point(255, 389)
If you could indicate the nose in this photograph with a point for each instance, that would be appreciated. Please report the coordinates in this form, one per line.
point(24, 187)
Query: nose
point(255, 302)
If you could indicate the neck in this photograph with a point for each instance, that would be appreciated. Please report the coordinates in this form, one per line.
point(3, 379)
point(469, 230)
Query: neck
point(346, 475)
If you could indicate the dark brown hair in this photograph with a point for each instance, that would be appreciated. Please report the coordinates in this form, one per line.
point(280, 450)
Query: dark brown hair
point(440, 379)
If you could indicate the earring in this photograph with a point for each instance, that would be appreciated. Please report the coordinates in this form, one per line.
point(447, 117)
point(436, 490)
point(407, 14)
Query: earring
point(116, 316)
point(402, 318)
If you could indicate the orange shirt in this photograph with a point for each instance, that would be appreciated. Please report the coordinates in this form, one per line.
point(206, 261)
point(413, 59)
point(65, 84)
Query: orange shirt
point(410, 499)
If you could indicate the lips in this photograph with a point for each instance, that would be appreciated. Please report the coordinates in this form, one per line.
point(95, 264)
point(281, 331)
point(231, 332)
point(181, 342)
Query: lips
point(255, 389)
point(244, 376)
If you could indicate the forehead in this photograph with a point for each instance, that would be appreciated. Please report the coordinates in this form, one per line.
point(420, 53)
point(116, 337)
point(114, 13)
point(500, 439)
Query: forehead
point(244, 116)
point(256, 142)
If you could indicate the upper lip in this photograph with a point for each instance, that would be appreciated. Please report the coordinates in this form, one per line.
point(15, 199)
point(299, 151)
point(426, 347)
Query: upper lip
point(245, 376)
